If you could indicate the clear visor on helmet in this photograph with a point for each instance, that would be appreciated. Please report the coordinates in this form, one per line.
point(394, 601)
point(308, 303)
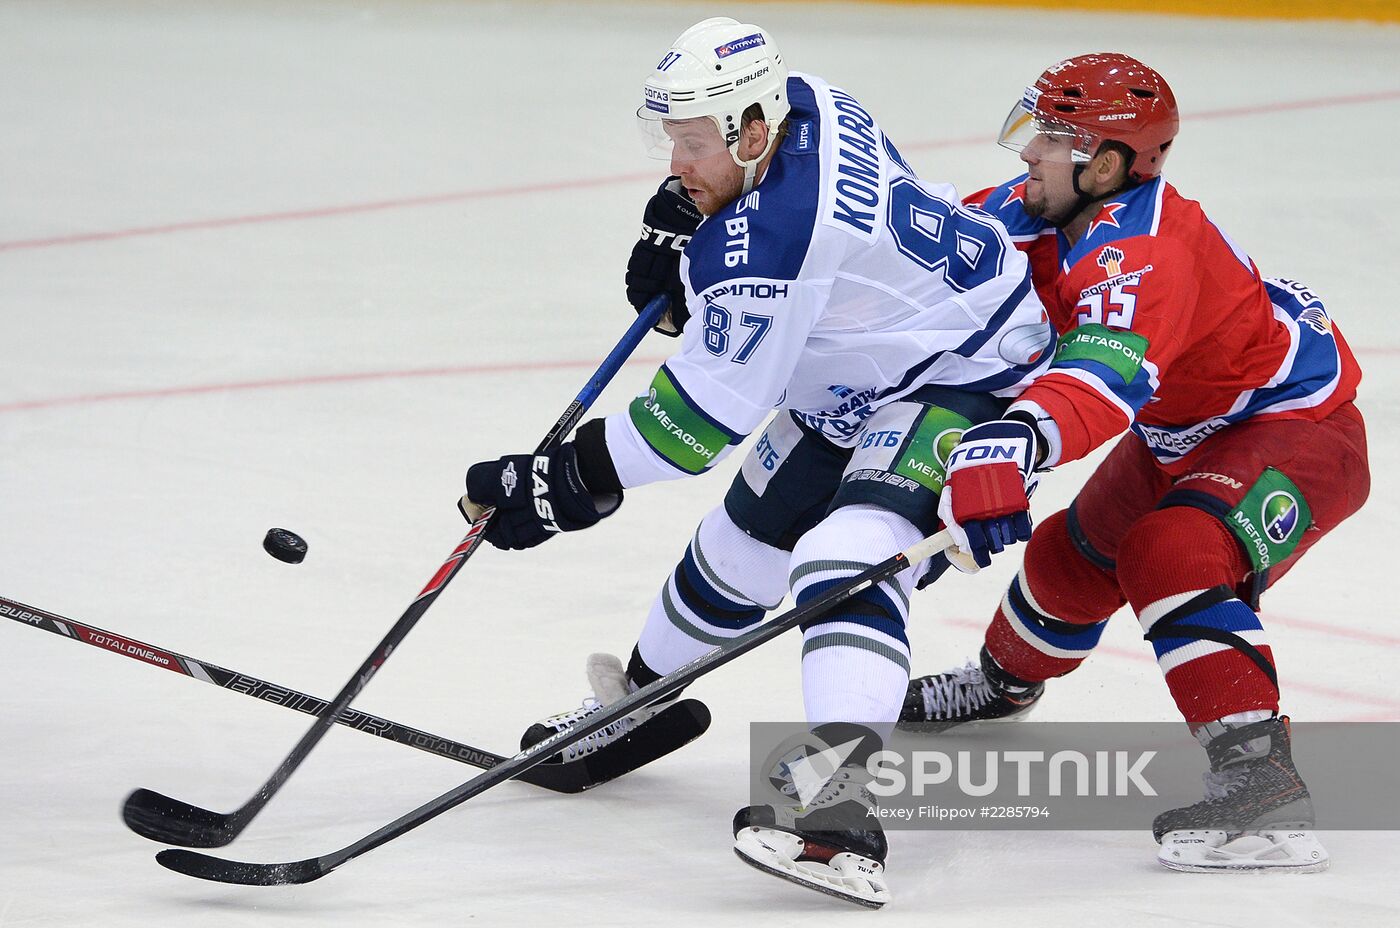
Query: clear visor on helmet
point(679, 139)
point(1054, 141)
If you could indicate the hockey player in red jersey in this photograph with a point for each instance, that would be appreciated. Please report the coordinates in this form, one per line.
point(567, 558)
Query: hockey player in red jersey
point(1245, 448)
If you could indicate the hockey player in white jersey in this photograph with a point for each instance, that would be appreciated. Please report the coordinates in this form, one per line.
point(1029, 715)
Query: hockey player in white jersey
point(814, 274)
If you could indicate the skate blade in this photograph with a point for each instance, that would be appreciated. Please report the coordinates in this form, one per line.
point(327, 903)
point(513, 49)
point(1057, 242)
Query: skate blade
point(749, 848)
point(1264, 852)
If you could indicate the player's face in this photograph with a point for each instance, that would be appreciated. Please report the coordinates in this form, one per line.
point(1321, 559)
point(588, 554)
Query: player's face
point(1050, 190)
point(703, 163)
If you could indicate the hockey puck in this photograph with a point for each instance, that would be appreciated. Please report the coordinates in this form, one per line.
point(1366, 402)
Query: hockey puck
point(284, 545)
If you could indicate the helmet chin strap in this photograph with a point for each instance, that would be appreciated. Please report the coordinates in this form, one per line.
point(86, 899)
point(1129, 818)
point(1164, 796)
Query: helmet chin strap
point(1084, 200)
point(751, 167)
point(1080, 203)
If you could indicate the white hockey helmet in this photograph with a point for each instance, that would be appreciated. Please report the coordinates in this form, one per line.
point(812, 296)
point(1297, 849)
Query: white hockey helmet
point(716, 69)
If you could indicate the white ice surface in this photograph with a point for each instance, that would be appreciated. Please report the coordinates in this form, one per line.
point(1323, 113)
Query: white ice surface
point(140, 463)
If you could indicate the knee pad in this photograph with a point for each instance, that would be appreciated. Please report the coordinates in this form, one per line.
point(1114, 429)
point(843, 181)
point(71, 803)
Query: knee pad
point(1179, 568)
point(855, 658)
point(723, 584)
point(740, 568)
point(1055, 610)
point(847, 543)
point(1170, 551)
point(1061, 581)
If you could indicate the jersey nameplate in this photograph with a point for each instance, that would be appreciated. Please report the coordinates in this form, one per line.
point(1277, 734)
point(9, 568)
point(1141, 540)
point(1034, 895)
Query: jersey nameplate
point(855, 201)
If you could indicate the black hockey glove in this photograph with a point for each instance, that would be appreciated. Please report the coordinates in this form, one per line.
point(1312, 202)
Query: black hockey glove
point(655, 266)
point(536, 496)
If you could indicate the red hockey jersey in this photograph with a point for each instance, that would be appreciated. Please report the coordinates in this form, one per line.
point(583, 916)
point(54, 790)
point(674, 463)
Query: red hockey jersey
point(1167, 327)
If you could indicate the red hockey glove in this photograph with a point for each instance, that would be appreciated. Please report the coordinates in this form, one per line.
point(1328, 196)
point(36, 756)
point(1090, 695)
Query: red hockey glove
point(986, 496)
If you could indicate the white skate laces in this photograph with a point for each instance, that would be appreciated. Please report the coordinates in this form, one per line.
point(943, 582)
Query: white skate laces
point(609, 682)
point(1219, 784)
point(958, 692)
point(979, 691)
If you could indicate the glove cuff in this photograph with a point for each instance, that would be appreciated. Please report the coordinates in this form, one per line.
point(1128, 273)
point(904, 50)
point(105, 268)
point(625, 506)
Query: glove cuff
point(1040, 449)
point(595, 465)
point(682, 208)
point(987, 492)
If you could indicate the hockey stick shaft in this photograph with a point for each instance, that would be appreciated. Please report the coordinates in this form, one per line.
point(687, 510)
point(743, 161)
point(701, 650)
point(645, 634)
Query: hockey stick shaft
point(239, 682)
point(212, 868)
point(646, 319)
point(149, 821)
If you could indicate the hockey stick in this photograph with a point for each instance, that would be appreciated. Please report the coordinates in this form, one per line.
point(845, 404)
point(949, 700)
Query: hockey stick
point(220, 870)
point(562, 778)
point(171, 821)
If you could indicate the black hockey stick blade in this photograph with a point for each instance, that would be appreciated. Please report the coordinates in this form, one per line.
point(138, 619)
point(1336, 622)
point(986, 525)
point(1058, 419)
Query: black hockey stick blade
point(218, 870)
point(170, 821)
point(672, 728)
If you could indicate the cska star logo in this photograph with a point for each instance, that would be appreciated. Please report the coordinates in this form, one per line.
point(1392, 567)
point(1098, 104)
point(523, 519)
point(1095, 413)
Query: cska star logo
point(1111, 260)
point(1017, 193)
point(1107, 217)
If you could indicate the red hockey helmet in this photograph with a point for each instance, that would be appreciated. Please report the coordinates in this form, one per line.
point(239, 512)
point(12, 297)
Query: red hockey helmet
point(1094, 99)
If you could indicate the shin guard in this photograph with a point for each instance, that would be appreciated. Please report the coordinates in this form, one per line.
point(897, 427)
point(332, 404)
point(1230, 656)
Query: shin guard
point(1054, 612)
point(1179, 568)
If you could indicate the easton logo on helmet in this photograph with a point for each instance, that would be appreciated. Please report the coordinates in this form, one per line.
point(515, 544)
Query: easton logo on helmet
point(1279, 515)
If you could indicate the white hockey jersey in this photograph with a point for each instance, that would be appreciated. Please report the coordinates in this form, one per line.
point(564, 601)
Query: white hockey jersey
point(839, 284)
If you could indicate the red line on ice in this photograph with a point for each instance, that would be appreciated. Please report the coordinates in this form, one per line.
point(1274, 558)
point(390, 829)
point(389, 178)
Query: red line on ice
point(438, 199)
point(1288, 682)
point(311, 380)
point(505, 367)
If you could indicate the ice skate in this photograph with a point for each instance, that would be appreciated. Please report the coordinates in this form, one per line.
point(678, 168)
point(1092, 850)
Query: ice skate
point(832, 842)
point(1257, 814)
point(971, 693)
point(609, 683)
point(629, 743)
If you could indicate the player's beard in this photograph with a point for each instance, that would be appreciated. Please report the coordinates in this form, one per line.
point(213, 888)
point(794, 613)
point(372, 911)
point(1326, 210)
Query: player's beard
point(1035, 204)
point(1039, 208)
point(1040, 200)
point(716, 197)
